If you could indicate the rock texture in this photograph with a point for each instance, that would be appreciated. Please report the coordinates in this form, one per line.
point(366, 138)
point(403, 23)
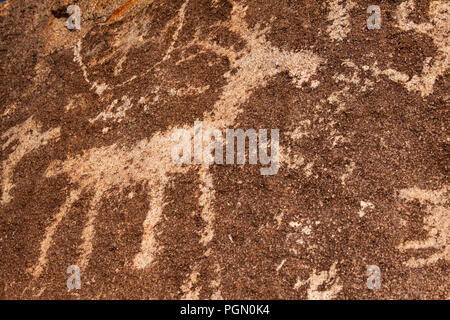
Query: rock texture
point(87, 179)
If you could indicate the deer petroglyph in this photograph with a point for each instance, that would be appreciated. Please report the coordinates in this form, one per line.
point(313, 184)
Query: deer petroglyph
point(149, 160)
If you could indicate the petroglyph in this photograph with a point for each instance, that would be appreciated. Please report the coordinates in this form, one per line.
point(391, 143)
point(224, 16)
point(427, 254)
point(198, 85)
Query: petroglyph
point(98, 170)
point(436, 223)
point(114, 112)
point(50, 231)
point(437, 29)
point(365, 205)
point(188, 292)
point(329, 279)
point(28, 136)
point(99, 88)
point(338, 13)
point(109, 198)
point(206, 201)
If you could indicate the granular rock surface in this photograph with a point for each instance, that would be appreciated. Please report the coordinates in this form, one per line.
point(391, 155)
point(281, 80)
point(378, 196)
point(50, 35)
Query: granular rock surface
point(87, 119)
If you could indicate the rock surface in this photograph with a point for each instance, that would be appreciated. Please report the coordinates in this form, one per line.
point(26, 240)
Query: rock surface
point(86, 127)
